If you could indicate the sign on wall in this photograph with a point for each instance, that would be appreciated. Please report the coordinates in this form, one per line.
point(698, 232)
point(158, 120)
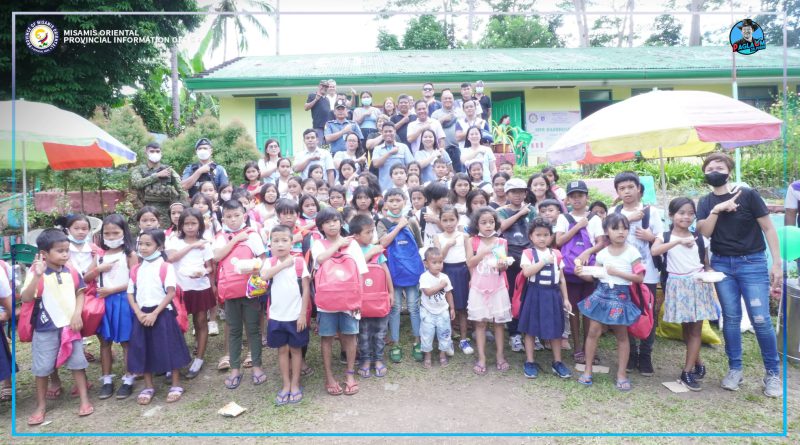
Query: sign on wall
point(547, 126)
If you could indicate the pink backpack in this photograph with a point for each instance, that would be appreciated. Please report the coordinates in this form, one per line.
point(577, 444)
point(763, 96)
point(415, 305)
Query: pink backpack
point(375, 291)
point(177, 300)
point(337, 283)
point(231, 284)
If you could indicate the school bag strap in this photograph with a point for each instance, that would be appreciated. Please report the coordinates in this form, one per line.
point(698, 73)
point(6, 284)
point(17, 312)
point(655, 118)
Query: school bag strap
point(645, 218)
point(698, 239)
point(248, 230)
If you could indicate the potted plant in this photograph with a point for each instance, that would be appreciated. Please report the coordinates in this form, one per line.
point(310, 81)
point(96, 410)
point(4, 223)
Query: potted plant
point(503, 138)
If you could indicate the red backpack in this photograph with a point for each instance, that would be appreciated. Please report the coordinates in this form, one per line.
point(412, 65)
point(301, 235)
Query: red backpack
point(231, 284)
point(30, 309)
point(375, 291)
point(337, 283)
point(643, 298)
point(521, 282)
point(177, 301)
point(93, 307)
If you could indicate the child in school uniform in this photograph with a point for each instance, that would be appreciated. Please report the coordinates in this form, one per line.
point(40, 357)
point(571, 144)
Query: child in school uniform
point(451, 244)
point(157, 344)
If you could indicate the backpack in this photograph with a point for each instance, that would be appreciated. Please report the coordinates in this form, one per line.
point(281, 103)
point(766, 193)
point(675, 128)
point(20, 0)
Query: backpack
point(30, 309)
point(298, 268)
point(521, 282)
point(644, 300)
point(573, 248)
point(337, 283)
point(645, 225)
point(231, 284)
point(405, 264)
point(177, 301)
point(701, 251)
point(375, 291)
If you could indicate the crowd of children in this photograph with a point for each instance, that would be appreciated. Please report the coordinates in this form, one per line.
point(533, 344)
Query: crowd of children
point(467, 252)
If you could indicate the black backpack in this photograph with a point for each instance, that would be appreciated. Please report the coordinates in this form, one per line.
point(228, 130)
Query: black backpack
point(662, 264)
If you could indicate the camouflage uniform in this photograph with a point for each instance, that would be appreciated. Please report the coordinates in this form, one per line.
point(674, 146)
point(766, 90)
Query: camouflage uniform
point(157, 192)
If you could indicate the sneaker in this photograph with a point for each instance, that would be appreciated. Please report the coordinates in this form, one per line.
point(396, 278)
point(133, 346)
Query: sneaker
point(450, 352)
point(531, 370)
point(465, 347)
point(633, 361)
point(106, 391)
point(124, 391)
point(645, 365)
point(537, 345)
point(773, 386)
point(732, 380)
point(515, 342)
point(688, 380)
point(699, 372)
point(561, 370)
point(213, 328)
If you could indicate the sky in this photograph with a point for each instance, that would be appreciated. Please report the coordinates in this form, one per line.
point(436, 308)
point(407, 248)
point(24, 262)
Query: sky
point(321, 31)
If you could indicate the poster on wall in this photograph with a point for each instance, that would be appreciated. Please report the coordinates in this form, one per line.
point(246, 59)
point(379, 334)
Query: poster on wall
point(547, 126)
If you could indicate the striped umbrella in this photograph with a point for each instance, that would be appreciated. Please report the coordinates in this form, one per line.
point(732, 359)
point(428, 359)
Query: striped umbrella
point(45, 136)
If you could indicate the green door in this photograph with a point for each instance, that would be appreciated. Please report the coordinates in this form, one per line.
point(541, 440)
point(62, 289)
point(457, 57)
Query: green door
point(511, 106)
point(274, 123)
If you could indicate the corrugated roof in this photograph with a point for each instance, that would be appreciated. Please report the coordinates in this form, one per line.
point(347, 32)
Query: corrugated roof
point(497, 64)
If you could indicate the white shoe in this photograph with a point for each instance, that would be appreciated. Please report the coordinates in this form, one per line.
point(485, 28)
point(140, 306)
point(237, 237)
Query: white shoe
point(515, 342)
point(537, 345)
point(213, 329)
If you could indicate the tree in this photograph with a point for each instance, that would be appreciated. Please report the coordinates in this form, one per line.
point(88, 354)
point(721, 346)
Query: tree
point(773, 25)
point(518, 32)
point(426, 32)
point(219, 26)
point(604, 31)
point(387, 41)
point(668, 32)
point(78, 77)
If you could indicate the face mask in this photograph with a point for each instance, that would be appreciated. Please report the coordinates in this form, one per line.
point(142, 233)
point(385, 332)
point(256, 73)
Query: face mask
point(322, 197)
point(229, 230)
point(716, 179)
point(153, 256)
point(346, 227)
point(393, 215)
point(203, 154)
point(225, 196)
point(367, 101)
point(76, 241)
point(479, 89)
point(154, 157)
point(487, 236)
point(113, 243)
point(307, 216)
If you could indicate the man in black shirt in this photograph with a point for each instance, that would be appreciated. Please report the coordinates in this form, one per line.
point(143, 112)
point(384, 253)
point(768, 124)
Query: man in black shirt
point(320, 108)
point(403, 117)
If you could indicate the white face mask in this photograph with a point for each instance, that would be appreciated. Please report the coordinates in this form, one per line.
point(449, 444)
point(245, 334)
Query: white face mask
point(225, 196)
point(479, 89)
point(113, 243)
point(154, 157)
point(203, 154)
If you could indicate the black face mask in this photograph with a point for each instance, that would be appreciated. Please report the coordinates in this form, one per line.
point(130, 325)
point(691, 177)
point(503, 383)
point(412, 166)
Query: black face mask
point(716, 179)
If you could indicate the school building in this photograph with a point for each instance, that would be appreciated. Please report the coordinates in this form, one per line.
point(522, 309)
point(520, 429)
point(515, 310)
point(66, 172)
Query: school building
point(544, 90)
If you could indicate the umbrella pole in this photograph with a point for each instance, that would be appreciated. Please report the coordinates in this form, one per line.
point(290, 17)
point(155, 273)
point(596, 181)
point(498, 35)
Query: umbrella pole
point(663, 178)
point(24, 198)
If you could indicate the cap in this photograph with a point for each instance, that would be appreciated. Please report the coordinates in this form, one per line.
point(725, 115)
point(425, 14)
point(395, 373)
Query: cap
point(577, 186)
point(549, 202)
point(341, 103)
point(514, 184)
point(202, 141)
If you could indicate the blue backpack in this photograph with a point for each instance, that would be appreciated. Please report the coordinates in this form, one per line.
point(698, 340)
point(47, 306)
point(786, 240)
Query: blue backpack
point(404, 262)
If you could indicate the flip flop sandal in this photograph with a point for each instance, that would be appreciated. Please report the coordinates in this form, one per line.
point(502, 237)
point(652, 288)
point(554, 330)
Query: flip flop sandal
point(86, 411)
point(334, 389)
point(478, 369)
point(174, 394)
point(579, 357)
point(416, 352)
point(585, 380)
point(259, 379)
point(623, 385)
point(307, 371)
point(232, 382)
point(248, 361)
point(74, 391)
point(224, 363)
point(146, 396)
point(444, 361)
point(396, 354)
point(296, 397)
point(427, 364)
point(34, 420)
point(380, 371)
point(5, 394)
point(351, 390)
point(53, 394)
point(282, 398)
point(503, 366)
point(364, 372)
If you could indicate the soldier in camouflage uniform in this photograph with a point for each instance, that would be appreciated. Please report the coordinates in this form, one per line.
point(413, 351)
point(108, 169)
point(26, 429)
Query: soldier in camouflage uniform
point(156, 184)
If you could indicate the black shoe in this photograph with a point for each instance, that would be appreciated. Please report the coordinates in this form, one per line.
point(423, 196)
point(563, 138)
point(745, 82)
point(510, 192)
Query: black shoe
point(688, 380)
point(633, 361)
point(645, 365)
point(699, 372)
point(106, 391)
point(125, 391)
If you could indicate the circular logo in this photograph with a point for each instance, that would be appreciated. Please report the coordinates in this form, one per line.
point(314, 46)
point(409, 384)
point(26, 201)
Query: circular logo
point(747, 37)
point(368, 282)
point(41, 37)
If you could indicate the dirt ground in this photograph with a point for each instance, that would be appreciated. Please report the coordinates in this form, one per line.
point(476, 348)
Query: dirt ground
point(449, 400)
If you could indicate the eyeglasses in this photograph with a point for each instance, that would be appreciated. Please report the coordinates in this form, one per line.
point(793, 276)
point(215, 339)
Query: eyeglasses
point(427, 89)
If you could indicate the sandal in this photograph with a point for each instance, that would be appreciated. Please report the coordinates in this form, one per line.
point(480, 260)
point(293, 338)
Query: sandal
point(258, 379)
point(416, 352)
point(351, 390)
point(34, 420)
point(585, 380)
point(427, 363)
point(174, 394)
point(623, 385)
point(307, 371)
point(380, 371)
point(232, 382)
point(5, 394)
point(89, 356)
point(396, 354)
point(579, 357)
point(74, 391)
point(364, 372)
point(444, 361)
point(282, 398)
point(85, 411)
point(334, 389)
point(479, 369)
point(248, 361)
point(53, 394)
point(503, 366)
point(145, 396)
point(224, 363)
point(296, 397)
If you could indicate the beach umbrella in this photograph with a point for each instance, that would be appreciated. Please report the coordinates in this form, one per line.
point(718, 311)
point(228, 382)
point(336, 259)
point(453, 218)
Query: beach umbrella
point(44, 136)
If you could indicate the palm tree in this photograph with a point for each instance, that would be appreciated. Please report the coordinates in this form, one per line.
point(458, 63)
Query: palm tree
point(219, 28)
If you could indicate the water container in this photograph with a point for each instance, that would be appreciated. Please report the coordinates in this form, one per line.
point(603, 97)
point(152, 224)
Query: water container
point(792, 326)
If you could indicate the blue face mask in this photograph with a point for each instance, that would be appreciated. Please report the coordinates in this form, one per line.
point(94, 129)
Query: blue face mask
point(306, 216)
point(76, 241)
point(152, 257)
point(393, 215)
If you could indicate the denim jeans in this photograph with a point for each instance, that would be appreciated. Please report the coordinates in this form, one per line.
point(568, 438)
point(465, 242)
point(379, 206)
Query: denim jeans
point(746, 277)
point(437, 325)
point(645, 347)
point(412, 302)
point(372, 339)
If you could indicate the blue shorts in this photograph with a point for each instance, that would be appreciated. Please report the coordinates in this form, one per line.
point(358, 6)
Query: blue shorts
point(282, 333)
point(332, 322)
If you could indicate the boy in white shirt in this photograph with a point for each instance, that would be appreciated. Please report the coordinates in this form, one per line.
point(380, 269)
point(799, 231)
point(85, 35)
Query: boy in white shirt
point(436, 308)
